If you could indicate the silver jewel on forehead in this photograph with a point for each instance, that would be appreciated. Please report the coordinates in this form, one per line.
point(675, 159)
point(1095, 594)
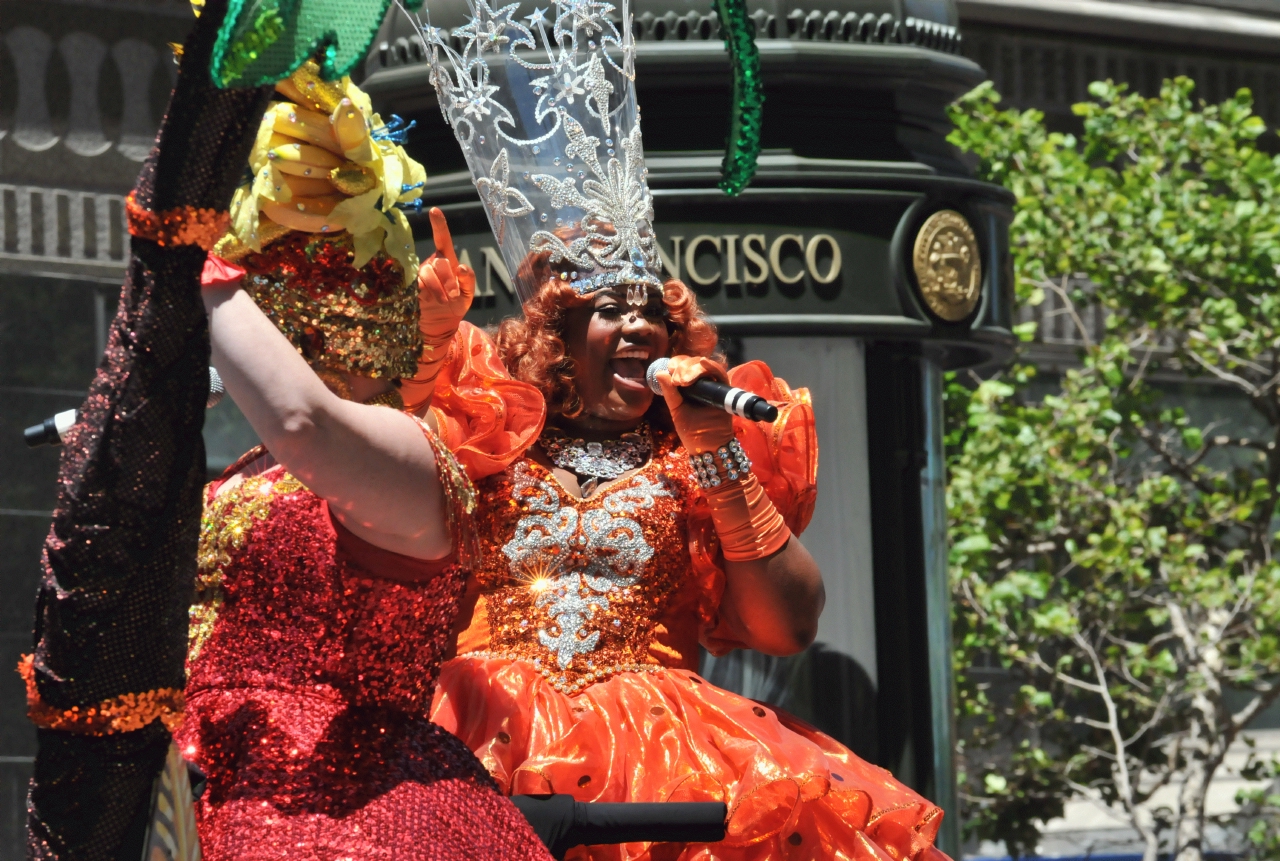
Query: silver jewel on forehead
point(587, 286)
point(637, 295)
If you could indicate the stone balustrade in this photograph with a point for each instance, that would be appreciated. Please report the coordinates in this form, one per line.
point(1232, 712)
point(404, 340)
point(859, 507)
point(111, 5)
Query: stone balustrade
point(55, 225)
point(29, 122)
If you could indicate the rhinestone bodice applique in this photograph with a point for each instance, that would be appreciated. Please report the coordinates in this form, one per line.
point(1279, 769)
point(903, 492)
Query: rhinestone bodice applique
point(576, 586)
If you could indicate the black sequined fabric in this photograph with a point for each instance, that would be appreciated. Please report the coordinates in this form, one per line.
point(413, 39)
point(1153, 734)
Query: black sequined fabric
point(93, 793)
point(119, 562)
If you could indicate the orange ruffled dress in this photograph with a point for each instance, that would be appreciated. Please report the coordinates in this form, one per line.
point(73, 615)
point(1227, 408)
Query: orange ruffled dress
point(578, 671)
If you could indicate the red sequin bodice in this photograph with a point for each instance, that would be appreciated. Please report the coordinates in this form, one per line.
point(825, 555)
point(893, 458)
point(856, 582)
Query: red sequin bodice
point(285, 604)
point(312, 662)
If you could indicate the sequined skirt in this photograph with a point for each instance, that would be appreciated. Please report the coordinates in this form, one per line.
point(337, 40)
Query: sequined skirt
point(297, 776)
point(792, 792)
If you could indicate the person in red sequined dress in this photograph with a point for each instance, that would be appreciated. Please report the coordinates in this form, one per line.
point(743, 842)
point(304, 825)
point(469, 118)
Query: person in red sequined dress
point(609, 554)
point(328, 576)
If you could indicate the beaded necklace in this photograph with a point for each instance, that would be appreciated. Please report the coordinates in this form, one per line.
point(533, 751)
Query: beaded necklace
point(596, 461)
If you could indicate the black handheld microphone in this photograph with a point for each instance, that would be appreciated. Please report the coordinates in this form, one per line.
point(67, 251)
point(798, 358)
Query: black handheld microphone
point(733, 401)
point(53, 429)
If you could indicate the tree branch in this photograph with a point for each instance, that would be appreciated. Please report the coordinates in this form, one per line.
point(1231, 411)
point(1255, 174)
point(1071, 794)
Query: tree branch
point(1070, 309)
point(1156, 716)
point(1177, 464)
point(1238, 382)
point(1124, 782)
point(1224, 353)
point(1241, 719)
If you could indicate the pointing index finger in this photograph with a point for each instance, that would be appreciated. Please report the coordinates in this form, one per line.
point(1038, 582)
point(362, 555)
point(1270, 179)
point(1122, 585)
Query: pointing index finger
point(443, 240)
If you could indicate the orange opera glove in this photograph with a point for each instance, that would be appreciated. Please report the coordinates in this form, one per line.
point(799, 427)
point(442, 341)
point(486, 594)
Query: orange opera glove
point(747, 522)
point(445, 290)
point(701, 428)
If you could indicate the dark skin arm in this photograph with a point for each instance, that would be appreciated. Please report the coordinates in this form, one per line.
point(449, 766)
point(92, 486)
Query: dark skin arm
point(772, 604)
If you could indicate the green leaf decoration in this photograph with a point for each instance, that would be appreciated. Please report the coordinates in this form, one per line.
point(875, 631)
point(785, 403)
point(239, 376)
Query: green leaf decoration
point(264, 41)
point(742, 148)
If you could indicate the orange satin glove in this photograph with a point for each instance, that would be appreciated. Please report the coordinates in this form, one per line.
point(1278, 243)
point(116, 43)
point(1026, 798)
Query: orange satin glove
point(701, 428)
point(747, 522)
point(445, 290)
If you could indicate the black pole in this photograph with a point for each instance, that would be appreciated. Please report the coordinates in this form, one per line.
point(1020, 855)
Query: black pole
point(563, 823)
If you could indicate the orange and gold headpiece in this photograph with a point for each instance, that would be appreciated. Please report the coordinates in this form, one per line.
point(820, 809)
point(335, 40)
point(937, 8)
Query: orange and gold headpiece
point(318, 225)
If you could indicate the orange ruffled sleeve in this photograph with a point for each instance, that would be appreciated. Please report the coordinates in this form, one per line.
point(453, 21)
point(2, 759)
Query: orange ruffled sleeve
point(486, 418)
point(784, 457)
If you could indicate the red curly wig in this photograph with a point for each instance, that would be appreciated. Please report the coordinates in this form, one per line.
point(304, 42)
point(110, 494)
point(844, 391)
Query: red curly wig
point(533, 350)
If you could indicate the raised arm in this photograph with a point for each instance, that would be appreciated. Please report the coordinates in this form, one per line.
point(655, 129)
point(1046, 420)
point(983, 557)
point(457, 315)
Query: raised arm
point(120, 560)
point(372, 464)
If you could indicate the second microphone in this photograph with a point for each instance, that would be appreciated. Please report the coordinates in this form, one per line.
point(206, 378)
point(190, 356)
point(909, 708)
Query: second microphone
point(734, 401)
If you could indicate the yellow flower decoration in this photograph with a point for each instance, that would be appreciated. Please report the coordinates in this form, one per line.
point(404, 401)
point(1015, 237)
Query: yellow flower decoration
point(324, 162)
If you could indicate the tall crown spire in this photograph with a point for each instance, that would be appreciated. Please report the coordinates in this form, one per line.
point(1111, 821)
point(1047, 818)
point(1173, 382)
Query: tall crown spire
point(544, 107)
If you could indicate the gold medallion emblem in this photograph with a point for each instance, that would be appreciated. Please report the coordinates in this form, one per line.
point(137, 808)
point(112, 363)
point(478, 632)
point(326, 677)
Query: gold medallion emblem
point(947, 265)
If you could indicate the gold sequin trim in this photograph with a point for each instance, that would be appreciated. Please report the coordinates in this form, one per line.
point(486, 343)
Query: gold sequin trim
point(389, 398)
point(125, 713)
point(360, 320)
point(307, 88)
point(460, 499)
point(228, 519)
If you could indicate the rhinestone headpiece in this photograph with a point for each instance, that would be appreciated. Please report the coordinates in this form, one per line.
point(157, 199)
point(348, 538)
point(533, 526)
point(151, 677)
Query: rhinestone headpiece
point(545, 110)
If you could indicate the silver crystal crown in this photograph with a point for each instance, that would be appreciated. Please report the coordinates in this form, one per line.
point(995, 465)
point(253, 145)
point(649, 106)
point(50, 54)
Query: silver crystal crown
point(545, 111)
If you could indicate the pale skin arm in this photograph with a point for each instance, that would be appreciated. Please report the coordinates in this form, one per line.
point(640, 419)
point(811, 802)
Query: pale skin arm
point(372, 464)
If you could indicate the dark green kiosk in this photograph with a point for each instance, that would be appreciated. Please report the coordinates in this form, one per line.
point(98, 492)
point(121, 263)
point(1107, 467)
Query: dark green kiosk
point(862, 262)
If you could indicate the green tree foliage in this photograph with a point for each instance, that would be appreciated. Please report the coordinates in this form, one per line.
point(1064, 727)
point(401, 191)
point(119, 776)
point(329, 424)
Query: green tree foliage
point(1112, 561)
point(1259, 816)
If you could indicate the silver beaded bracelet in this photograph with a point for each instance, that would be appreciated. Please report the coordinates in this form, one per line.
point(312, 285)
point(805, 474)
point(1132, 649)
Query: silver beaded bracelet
point(729, 463)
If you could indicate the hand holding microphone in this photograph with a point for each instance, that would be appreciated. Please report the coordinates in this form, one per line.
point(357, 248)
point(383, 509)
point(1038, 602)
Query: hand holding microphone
point(700, 430)
point(710, 386)
point(747, 523)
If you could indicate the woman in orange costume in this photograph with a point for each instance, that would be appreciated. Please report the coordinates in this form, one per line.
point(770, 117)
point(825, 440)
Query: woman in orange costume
point(619, 529)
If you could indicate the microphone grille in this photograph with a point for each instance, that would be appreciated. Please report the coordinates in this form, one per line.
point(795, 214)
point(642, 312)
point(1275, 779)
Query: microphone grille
point(216, 389)
point(651, 375)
